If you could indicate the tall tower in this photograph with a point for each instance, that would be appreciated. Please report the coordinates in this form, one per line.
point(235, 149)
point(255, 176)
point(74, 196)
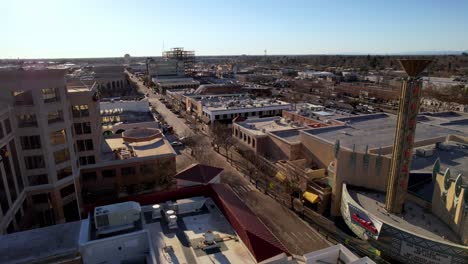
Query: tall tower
point(404, 134)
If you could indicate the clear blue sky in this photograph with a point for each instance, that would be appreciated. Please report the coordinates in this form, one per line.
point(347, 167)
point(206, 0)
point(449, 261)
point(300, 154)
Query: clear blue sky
point(103, 28)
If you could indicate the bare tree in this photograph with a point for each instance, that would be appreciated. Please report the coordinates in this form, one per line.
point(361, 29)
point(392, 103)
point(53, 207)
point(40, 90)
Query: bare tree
point(222, 137)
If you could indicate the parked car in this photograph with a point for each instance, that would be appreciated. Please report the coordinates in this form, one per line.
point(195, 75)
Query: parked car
point(177, 143)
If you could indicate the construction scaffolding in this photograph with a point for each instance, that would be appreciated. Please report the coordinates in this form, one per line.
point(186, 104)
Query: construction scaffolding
point(187, 57)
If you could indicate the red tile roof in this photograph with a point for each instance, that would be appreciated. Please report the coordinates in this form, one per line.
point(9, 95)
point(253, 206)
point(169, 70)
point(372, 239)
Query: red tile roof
point(198, 173)
point(255, 235)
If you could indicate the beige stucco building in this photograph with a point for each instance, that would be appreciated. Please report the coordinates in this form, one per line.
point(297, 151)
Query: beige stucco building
point(50, 133)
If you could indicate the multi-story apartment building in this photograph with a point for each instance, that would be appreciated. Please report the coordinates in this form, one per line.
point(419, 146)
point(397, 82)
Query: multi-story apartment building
point(50, 132)
point(39, 149)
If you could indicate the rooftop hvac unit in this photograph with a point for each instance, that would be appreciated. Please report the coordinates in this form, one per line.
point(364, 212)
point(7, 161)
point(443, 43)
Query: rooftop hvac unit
point(115, 217)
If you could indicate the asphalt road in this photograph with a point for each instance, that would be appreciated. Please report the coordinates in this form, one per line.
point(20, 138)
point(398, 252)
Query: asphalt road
point(295, 234)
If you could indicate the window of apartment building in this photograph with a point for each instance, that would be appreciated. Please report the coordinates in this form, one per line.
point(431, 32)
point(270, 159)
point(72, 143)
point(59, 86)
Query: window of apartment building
point(23, 98)
point(108, 173)
point(128, 171)
point(89, 176)
point(148, 169)
point(253, 142)
point(86, 160)
point(30, 142)
point(38, 179)
point(40, 198)
point(7, 126)
point(50, 95)
point(10, 228)
point(61, 156)
point(3, 196)
point(224, 116)
point(216, 117)
point(65, 172)
point(34, 162)
point(85, 145)
point(25, 205)
point(80, 110)
point(70, 189)
point(1, 131)
point(14, 159)
point(82, 128)
point(58, 137)
point(55, 116)
point(27, 120)
point(18, 216)
point(10, 177)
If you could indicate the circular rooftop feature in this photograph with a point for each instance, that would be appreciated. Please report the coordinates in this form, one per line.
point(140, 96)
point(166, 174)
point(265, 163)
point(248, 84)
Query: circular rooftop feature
point(141, 134)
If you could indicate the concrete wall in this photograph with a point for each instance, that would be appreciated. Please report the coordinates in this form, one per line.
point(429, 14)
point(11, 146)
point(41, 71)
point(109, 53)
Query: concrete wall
point(444, 206)
point(116, 249)
point(344, 169)
point(358, 174)
point(134, 106)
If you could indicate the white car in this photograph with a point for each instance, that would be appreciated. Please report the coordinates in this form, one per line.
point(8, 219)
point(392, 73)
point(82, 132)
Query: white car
point(177, 143)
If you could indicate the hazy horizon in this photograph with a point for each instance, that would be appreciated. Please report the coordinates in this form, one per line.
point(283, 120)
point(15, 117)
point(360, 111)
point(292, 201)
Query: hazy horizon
point(54, 29)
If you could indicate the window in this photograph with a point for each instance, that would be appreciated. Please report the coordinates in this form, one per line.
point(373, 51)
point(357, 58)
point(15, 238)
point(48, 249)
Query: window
point(127, 171)
point(108, 173)
point(30, 142)
point(80, 110)
point(38, 179)
point(34, 162)
point(50, 95)
point(3, 197)
point(65, 172)
point(61, 156)
point(85, 145)
point(148, 169)
point(86, 160)
point(70, 189)
point(224, 116)
point(23, 98)
point(82, 128)
point(216, 117)
point(89, 176)
point(8, 126)
point(14, 159)
point(18, 216)
point(27, 120)
point(55, 116)
point(10, 177)
point(58, 137)
point(40, 198)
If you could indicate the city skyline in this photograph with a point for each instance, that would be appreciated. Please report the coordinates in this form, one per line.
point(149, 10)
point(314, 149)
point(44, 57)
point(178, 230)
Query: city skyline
point(55, 29)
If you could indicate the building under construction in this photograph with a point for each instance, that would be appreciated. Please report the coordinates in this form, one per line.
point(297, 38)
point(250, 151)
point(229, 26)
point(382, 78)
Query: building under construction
point(187, 57)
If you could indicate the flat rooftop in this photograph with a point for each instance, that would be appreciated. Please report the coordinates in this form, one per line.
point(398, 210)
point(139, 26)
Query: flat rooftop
point(28, 246)
point(457, 121)
point(259, 126)
point(290, 135)
point(80, 86)
point(218, 103)
point(181, 245)
point(415, 218)
point(452, 155)
point(151, 148)
point(374, 130)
